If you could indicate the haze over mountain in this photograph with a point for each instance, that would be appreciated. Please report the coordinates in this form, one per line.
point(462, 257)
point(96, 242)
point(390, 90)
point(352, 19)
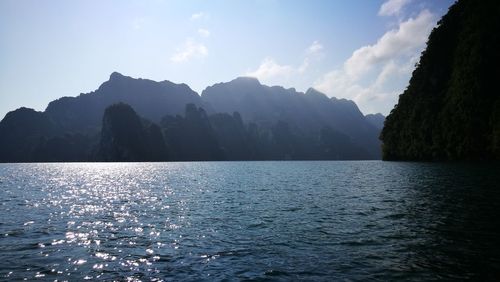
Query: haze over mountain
point(151, 100)
point(359, 50)
point(376, 120)
point(241, 119)
point(309, 112)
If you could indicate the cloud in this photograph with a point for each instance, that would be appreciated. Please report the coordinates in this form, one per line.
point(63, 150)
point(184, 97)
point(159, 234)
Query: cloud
point(191, 49)
point(375, 74)
point(377, 96)
point(392, 7)
point(204, 32)
point(406, 39)
point(199, 16)
point(270, 71)
point(314, 48)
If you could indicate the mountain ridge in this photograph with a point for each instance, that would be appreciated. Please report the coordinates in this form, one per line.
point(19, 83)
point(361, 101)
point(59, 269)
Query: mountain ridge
point(303, 115)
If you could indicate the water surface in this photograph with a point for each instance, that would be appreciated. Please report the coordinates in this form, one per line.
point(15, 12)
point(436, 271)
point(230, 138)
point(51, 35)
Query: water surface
point(249, 221)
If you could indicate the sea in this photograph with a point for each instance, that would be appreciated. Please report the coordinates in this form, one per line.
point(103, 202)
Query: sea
point(250, 221)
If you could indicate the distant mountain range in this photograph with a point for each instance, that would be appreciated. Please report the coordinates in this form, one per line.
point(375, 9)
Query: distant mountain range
point(129, 119)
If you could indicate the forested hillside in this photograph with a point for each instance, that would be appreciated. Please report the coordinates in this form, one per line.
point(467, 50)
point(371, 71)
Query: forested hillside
point(451, 107)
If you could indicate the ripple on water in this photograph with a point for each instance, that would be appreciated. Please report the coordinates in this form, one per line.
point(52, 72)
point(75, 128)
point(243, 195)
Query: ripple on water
point(249, 220)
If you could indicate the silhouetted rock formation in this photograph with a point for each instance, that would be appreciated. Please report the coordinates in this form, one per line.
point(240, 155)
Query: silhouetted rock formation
point(191, 137)
point(66, 148)
point(156, 143)
point(130, 119)
point(124, 138)
point(232, 136)
point(451, 108)
point(151, 100)
point(308, 113)
point(20, 132)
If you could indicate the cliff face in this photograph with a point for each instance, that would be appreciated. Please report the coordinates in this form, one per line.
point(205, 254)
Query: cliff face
point(125, 138)
point(151, 100)
point(306, 113)
point(451, 108)
point(162, 121)
point(21, 131)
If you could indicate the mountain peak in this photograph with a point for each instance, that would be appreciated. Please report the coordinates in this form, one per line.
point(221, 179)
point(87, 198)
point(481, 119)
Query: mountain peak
point(377, 115)
point(115, 75)
point(246, 80)
point(312, 91)
point(376, 120)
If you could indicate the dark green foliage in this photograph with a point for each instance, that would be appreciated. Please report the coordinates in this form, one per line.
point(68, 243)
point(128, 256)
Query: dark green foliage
point(495, 135)
point(450, 109)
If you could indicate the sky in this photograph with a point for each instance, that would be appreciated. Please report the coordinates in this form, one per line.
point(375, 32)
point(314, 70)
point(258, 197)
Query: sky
point(362, 50)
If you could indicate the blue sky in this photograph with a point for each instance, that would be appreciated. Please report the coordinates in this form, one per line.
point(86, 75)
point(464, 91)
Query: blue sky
point(362, 50)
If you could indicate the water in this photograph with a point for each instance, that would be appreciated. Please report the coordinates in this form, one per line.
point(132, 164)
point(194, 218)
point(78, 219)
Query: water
point(249, 221)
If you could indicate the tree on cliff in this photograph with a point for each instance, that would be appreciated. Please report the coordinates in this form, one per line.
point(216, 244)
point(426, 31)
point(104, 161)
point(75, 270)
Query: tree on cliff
point(451, 108)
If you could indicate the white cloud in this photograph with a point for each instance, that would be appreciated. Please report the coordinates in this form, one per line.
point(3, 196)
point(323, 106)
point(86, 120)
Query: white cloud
point(372, 98)
point(375, 74)
point(314, 48)
point(199, 16)
point(204, 32)
point(273, 73)
point(409, 37)
point(392, 7)
point(190, 49)
point(270, 69)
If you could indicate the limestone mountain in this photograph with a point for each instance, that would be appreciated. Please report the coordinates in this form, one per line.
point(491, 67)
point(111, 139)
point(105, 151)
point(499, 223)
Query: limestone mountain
point(376, 120)
point(307, 113)
point(451, 107)
point(128, 119)
point(124, 137)
point(151, 100)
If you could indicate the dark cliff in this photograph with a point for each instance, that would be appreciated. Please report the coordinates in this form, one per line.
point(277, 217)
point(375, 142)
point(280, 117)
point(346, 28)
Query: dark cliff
point(129, 119)
point(451, 108)
point(124, 137)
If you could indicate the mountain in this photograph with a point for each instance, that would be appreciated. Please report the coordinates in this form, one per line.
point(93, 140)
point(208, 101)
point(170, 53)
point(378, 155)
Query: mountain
point(21, 131)
point(151, 100)
point(307, 113)
point(124, 137)
point(234, 139)
point(191, 138)
point(451, 107)
point(69, 129)
point(129, 119)
point(376, 120)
